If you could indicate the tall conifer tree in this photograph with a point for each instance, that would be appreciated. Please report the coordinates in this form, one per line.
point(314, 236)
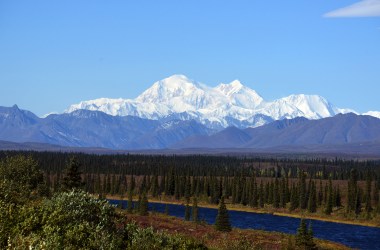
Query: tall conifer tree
point(329, 204)
point(72, 178)
point(368, 200)
point(222, 222)
point(195, 215)
point(312, 203)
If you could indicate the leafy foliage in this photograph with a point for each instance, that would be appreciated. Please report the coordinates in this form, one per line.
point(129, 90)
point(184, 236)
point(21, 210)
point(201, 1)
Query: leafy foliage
point(20, 179)
point(19, 184)
point(147, 239)
point(69, 220)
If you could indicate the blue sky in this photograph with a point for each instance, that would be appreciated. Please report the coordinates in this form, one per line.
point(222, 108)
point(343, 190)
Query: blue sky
point(56, 53)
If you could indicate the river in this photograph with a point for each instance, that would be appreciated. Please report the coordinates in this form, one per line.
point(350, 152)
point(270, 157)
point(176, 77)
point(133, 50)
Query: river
point(354, 236)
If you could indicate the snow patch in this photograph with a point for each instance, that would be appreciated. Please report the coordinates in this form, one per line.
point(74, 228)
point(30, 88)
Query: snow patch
point(373, 113)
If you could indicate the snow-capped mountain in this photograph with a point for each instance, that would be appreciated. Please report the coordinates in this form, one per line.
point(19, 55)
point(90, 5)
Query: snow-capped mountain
point(233, 104)
point(373, 113)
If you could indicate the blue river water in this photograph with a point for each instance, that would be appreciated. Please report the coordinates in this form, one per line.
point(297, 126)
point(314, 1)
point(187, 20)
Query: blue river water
point(359, 237)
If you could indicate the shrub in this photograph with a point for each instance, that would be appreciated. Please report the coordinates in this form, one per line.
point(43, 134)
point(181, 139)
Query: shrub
point(70, 220)
point(147, 239)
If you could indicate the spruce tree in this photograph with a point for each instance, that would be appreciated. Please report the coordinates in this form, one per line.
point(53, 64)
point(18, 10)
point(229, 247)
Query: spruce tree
point(143, 205)
point(376, 199)
point(368, 200)
point(177, 188)
point(107, 184)
point(166, 209)
point(195, 215)
point(137, 204)
point(377, 207)
point(304, 236)
point(56, 184)
point(358, 202)
point(261, 195)
point(234, 191)
point(294, 201)
point(276, 193)
point(283, 193)
point(312, 203)
point(130, 201)
point(308, 192)
point(338, 198)
point(301, 236)
point(270, 192)
point(72, 178)
point(143, 186)
point(290, 243)
point(310, 238)
point(252, 194)
point(254, 199)
point(222, 222)
point(320, 193)
point(154, 188)
point(352, 191)
point(266, 193)
point(302, 190)
point(113, 185)
point(244, 194)
point(197, 187)
point(187, 210)
point(187, 191)
point(329, 204)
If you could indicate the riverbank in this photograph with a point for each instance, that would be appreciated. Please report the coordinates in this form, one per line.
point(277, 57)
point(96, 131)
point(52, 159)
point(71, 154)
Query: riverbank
point(296, 214)
point(213, 239)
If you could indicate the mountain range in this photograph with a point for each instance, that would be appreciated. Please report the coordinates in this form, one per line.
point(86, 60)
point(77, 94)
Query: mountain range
point(178, 113)
point(95, 129)
point(84, 128)
point(338, 130)
point(233, 104)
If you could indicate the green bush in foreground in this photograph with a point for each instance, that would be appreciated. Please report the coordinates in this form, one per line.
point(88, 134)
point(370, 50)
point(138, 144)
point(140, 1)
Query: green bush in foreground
point(20, 183)
point(70, 220)
point(146, 239)
point(76, 220)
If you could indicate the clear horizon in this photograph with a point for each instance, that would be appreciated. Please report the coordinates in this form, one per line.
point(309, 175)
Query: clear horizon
point(54, 54)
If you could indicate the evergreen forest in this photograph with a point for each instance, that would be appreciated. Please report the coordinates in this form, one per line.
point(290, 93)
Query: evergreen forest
point(57, 199)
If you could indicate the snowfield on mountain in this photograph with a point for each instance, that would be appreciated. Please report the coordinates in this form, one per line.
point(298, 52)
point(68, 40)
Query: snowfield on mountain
point(233, 104)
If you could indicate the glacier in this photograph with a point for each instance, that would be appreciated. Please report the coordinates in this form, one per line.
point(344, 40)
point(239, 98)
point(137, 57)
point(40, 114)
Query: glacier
point(179, 98)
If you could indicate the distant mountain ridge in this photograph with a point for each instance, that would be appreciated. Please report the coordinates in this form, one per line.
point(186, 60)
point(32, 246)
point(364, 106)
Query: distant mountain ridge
point(342, 129)
point(177, 97)
point(84, 128)
point(95, 129)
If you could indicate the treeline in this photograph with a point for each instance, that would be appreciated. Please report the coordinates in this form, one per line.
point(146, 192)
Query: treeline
point(302, 193)
point(316, 185)
point(203, 165)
